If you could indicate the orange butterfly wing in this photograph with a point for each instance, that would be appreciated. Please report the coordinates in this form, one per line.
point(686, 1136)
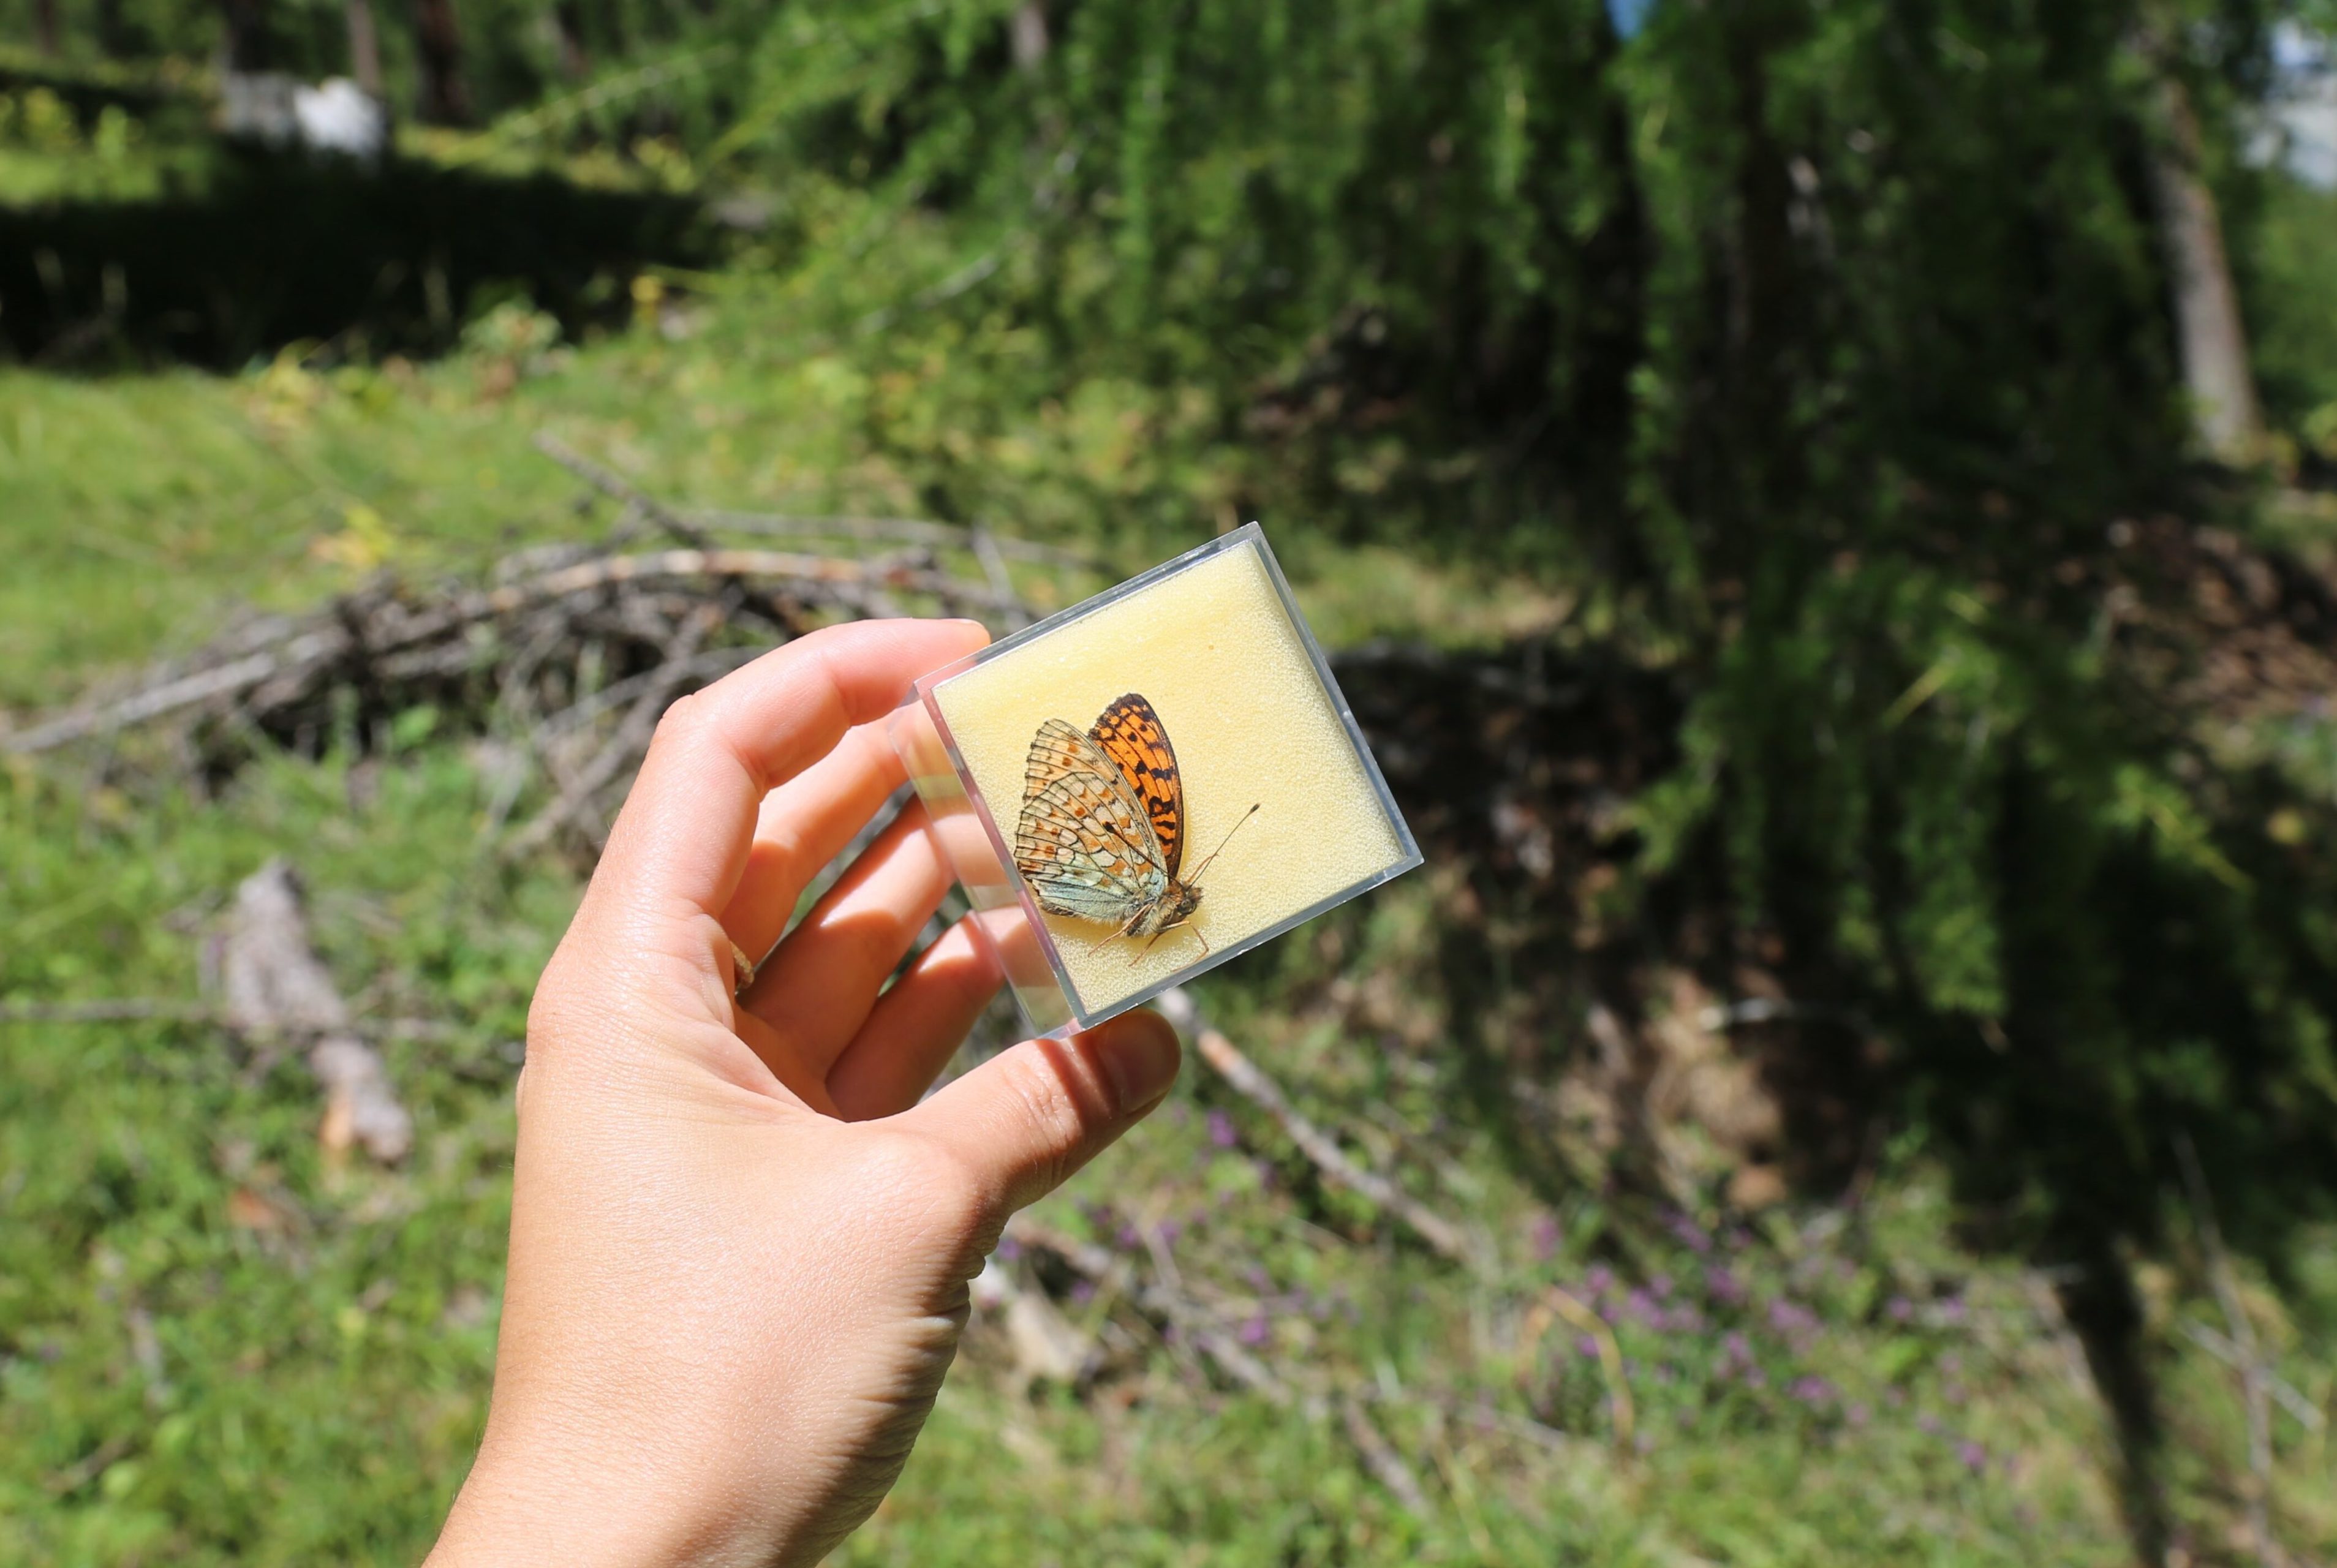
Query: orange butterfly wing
point(1133, 736)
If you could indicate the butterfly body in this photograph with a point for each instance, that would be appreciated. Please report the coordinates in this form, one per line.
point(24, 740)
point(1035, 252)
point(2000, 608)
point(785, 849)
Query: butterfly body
point(1101, 834)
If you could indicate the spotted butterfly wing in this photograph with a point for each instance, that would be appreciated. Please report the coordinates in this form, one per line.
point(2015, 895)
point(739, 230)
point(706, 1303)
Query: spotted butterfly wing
point(1085, 841)
point(1132, 735)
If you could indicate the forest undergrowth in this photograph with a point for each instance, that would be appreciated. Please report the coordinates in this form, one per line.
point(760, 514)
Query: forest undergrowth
point(1866, 1014)
point(221, 1345)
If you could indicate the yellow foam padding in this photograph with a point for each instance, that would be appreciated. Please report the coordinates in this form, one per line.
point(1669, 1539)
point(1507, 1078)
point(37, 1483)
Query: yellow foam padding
point(1218, 656)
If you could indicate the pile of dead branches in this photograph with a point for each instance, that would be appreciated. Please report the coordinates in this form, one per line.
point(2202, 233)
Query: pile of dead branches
point(566, 655)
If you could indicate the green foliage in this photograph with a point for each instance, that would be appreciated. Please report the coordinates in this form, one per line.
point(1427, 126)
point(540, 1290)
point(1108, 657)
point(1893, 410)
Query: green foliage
point(215, 1348)
point(270, 1362)
point(1826, 344)
point(1815, 353)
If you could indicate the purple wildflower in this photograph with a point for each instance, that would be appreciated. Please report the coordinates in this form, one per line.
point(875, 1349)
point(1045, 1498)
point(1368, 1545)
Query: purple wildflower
point(1791, 1318)
point(1811, 1390)
point(1009, 1249)
point(1738, 1347)
point(1755, 1378)
point(1952, 1311)
point(1974, 1456)
point(1685, 1318)
point(1599, 1281)
point(1546, 1237)
point(1901, 1310)
point(1927, 1424)
point(1662, 1286)
point(1691, 1235)
point(1858, 1413)
point(1083, 1291)
point(1221, 1130)
point(1721, 1284)
point(1587, 1347)
point(1169, 1231)
point(1126, 1236)
point(1642, 1308)
point(1255, 1332)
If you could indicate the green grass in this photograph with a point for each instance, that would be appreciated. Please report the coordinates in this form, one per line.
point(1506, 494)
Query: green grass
point(213, 1348)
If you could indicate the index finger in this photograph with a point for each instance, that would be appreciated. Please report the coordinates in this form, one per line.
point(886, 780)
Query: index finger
point(682, 839)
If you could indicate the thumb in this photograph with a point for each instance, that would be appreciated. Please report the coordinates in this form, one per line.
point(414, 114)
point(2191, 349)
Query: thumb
point(1027, 1118)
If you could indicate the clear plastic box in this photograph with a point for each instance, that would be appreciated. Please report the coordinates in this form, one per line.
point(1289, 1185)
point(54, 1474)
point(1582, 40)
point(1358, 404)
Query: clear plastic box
point(1140, 787)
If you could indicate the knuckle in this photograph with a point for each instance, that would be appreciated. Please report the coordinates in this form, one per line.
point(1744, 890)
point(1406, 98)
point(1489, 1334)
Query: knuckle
point(684, 717)
point(1054, 1124)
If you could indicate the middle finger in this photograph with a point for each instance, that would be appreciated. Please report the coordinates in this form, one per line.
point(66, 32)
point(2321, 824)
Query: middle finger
point(802, 825)
point(821, 984)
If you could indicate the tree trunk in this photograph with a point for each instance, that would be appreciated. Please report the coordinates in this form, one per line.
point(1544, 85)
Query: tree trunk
point(2215, 341)
point(364, 46)
point(568, 23)
point(44, 26)
point(446, 98)
point(246, 45)
point(1028, 34)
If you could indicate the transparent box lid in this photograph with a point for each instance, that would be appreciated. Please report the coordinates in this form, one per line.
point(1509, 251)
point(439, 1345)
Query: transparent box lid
point(1140, 787)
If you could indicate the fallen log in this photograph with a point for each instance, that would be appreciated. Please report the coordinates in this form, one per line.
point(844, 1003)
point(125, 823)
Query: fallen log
point(275, 985)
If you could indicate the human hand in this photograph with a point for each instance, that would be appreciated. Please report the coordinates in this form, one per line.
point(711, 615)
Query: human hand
point(740, 1245)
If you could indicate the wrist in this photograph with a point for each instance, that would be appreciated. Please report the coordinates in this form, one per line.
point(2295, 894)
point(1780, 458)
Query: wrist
point(530, 1502)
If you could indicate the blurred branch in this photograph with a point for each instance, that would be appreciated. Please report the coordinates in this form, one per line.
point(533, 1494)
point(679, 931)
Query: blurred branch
point(1172, 1306)
point(2254, 1378)
point(273, 978)
point(2308, 1415)
point(630, 740)
point(532, 652)
point(1169, 1305)
point(621, 490)
point(570, 106)
point(1442, 1236)
point(1561, 1305)
point(1380, 1456)
point(899, 530)
point(143, 1010)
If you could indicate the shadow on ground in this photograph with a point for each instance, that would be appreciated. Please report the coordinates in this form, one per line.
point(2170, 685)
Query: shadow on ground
point(280, 248)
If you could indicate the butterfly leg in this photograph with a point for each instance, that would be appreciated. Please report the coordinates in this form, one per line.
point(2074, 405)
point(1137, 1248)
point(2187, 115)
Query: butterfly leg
point(1164, 930)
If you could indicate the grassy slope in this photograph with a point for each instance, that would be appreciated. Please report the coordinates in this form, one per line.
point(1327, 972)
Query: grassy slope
point(213, 1349)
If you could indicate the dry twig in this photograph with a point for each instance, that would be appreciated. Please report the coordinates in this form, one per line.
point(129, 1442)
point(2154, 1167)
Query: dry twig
point(1380, 1458)
point(2306, 1413)
point(1559, 1305)
point(1445, 1237)
point(1194, 1322)
point(570, 652)
point(2253, 1376)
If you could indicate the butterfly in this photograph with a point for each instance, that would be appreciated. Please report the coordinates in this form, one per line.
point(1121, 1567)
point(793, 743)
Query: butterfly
point(1102, 831)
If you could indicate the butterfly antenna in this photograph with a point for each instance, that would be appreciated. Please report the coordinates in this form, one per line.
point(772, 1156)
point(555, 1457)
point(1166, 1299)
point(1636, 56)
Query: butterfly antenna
point(1195, 875)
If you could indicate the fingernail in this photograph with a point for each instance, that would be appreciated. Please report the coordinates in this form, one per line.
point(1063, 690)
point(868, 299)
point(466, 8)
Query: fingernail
point(1139, 1055)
